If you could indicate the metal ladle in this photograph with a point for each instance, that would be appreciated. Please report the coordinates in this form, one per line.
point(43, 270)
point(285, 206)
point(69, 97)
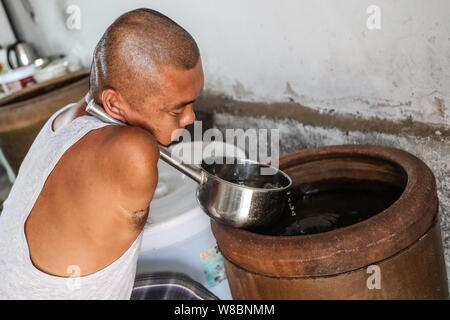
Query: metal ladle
point(230, 190)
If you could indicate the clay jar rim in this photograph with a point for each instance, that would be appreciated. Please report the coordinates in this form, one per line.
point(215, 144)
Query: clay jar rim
point(345, 249)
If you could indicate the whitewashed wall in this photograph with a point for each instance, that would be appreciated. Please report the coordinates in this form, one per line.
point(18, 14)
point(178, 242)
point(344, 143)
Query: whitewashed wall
point(318, 53)
point(6, 34)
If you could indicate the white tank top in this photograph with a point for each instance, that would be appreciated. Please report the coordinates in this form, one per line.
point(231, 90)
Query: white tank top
point(19, 278)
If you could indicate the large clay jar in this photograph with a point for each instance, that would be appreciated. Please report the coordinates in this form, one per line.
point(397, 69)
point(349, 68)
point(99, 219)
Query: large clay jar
point(394, 254)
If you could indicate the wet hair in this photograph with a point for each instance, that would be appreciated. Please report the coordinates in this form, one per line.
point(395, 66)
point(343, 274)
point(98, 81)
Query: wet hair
point(132, 50)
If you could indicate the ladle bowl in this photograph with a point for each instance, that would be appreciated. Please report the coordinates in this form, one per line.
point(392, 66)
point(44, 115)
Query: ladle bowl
point(234, 192)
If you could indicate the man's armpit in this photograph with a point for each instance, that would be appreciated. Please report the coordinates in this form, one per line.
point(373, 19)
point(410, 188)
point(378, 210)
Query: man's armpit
point(138, 217)
point(134, 213)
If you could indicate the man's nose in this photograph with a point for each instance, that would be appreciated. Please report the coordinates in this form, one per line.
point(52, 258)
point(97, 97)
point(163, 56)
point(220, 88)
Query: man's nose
point(188, 117)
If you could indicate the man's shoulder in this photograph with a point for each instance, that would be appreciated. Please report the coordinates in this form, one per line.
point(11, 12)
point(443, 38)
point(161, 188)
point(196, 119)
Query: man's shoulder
point(135, 145)
point(131, 156)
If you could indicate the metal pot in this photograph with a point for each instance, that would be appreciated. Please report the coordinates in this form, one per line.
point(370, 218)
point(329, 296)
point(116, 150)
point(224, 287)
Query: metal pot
point(232, 191)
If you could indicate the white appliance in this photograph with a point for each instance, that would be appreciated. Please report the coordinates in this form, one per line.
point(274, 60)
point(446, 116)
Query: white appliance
point(178, 234)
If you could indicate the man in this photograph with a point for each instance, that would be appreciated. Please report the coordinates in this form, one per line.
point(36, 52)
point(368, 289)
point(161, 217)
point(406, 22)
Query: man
point(80, 210)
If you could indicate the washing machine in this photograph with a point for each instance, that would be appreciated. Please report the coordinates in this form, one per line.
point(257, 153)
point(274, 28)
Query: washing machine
point(177, 236)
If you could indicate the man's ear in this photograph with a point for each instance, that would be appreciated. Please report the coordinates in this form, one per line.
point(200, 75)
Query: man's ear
point(112, 105)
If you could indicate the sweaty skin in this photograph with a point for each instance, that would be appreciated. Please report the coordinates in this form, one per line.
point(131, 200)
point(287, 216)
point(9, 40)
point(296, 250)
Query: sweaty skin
point(96, 200)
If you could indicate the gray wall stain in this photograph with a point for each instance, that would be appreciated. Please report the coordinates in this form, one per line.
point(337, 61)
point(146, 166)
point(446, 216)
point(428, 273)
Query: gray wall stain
point(290, 92)
point(240, 91)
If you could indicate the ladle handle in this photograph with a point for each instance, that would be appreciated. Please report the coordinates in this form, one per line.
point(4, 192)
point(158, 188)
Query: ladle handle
point(191, 171)
point(97, 111)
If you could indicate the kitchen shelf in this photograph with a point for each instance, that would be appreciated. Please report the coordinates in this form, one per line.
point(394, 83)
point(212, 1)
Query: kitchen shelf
point(43, 87)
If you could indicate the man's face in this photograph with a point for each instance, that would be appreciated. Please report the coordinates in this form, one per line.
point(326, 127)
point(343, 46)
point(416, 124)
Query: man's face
point(173, 107)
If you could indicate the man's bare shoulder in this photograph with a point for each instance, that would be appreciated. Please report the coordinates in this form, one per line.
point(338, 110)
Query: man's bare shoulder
point(131, 155)
point(134, 144)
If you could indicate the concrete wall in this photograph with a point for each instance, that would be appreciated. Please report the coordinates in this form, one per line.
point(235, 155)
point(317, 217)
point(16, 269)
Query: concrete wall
point(6, 33)
point(318, 53)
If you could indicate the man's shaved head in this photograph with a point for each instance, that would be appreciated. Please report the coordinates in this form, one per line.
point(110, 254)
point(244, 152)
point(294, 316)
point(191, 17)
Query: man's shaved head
point(133, 49)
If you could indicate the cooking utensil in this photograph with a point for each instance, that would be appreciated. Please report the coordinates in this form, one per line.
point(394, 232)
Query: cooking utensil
point(3, 60)
point(21, 54)
point(54, 69)
point(230, 190)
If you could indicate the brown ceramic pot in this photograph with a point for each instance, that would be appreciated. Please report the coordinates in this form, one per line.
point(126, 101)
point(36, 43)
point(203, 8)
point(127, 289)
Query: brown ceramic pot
point(403, 242)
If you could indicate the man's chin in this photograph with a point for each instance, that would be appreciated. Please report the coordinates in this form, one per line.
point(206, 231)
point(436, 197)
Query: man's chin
point(174, 138)
point(164, 142)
